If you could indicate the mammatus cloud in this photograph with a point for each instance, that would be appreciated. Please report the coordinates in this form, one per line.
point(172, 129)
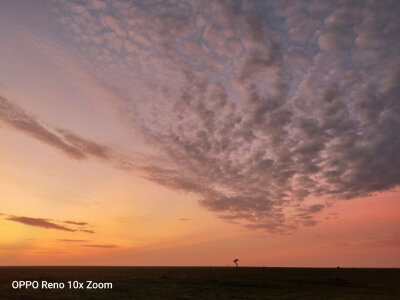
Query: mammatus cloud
point(49, 224)
point(269, 111)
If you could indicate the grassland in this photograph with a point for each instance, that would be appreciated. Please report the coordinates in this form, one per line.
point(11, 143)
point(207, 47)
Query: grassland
point(206, 283)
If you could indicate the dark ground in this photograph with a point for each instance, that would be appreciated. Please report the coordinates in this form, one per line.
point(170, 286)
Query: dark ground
point(207, 283)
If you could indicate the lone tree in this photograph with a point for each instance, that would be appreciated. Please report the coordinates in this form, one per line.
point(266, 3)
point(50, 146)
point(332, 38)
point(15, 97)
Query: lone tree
point(236, 262)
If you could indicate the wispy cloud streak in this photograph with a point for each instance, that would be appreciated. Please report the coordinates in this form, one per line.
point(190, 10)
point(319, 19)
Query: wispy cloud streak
point(49, 223)
point(44, 223)
point(14, 116)
point(109, 246)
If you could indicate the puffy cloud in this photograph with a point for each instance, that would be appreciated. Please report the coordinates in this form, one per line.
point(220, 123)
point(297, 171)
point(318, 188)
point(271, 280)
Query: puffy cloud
point(261, 108)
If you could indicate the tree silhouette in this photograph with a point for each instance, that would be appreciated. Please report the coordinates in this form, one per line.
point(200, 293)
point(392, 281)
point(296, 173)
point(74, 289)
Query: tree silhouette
point(236, 262)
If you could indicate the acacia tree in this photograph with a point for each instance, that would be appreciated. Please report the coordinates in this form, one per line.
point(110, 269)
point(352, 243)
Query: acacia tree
point(236, 262)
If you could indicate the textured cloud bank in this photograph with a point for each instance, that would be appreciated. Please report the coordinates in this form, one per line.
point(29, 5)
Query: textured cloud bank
point(269, 111)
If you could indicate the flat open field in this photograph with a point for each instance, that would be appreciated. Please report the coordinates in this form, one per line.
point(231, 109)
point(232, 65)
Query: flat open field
point(204, 283)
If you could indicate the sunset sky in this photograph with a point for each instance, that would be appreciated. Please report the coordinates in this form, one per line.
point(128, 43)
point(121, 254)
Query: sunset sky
point(196, 132)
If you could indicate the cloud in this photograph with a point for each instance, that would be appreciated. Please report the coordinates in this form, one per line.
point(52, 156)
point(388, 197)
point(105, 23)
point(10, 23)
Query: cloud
point(51, 252)
point(100, 246)
point(87, 230)
point(44, 223)
point(48, 223)
point(260, 108)
point(76, 223)
point(71, 241)
point(71, 144)
point(86, 146)
point(387, 241)
point(15, 117)
point(312, 208)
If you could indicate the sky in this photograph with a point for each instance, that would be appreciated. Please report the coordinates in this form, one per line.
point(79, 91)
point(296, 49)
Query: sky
point(196, 132)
